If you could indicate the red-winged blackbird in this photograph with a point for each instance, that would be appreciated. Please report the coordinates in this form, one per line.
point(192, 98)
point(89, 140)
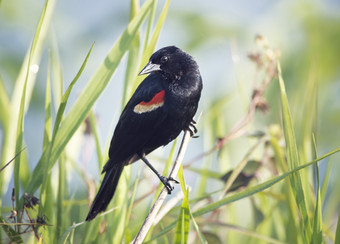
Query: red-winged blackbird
point(162, 106)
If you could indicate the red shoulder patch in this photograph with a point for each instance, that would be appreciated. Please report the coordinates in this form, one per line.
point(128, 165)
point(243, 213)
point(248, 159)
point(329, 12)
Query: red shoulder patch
point(156, 102)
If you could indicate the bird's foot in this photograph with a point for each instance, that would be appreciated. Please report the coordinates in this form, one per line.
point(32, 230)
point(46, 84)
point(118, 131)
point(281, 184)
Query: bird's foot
point(167, 184)
point(192, 129)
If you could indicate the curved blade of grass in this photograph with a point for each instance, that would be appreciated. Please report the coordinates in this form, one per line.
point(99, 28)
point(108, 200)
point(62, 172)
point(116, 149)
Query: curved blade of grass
point(48, 118)
point(293, 227)
point(155, 36)
point(132, 63)
point(61, 195)
point(93, 125)
point(258, 188)
point(182, 229)
point(47, 165)
point(57, 74)
point(317, 225)
point(326, 180)
point(293, 158)
point(4, 106)
point(26, 76)
point(337, 233)
point(244, 194)
point(149, 25)
point(152, 44)
point(180, 175)
point(67, 233)
point(20, 123)
point(90, 94)
point(48, 198)
point(199, 233)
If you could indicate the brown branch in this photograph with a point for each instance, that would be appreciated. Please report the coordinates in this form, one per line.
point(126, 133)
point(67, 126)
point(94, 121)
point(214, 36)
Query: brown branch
point(239, 128)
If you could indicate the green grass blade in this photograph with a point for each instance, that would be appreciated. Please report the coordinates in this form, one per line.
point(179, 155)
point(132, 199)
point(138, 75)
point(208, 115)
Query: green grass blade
point(57, 74)
point(27, 75)
point(244, 194)
point(132, 63)
point(293, 158)
point(255, 189)
point(182, 229)
point(149, 25)
point(152, 44)
point(48, 118)
point(326, 179)
point(274, 132)
point(62, 193)
point(121, 199)
point(48, 197)
point(293, 227)
point(337, 233)
point(67, 233)
point(47, 166)
point(19, 140)
point(32, 59)
point(155, 36)
point(199, 233)
point(90, 94)
point(4, 106)
point(180, 175)
point(65, 97)
point(317, 225)
point(11, 233)
point(91, 231)
point(94, 131)
point(131, 204)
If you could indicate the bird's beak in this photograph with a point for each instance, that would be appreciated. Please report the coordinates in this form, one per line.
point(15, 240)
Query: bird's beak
point(150, 67)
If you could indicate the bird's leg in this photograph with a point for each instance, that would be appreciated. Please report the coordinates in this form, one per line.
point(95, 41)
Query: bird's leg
point(163, 179)
point(192, 129)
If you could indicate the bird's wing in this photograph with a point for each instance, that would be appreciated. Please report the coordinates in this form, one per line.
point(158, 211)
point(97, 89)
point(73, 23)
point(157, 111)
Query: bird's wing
point(139, 121)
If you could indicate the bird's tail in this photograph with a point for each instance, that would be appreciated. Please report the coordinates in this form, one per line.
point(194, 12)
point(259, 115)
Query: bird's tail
point(106, 191)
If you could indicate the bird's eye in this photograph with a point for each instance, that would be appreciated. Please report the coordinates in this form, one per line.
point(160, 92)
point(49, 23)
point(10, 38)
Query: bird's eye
point(164, 59)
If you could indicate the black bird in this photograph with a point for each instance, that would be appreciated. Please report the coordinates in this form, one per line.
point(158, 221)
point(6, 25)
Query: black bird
point(162, 106)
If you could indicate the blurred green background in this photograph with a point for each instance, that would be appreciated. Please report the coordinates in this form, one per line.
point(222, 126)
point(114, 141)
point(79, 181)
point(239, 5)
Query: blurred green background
point(220, 35)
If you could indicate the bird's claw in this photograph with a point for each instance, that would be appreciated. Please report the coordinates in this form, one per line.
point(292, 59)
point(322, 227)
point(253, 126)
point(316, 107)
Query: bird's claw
point(167, 184)
point(192, 129)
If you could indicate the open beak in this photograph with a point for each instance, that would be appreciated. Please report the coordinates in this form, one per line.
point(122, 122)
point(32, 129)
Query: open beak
point(150, 67)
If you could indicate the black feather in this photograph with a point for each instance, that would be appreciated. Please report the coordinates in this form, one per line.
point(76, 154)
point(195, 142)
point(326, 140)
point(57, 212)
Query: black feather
point(172, 73)
point(106, 191)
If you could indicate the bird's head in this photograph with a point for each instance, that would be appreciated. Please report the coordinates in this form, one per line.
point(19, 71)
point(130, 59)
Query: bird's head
point(171, 62)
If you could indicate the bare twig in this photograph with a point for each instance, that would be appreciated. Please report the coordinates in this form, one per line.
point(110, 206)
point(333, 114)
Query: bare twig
point(35, 231)
point(16, 155)
point(158, 203)
point(257, 102)
point(169, 205)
